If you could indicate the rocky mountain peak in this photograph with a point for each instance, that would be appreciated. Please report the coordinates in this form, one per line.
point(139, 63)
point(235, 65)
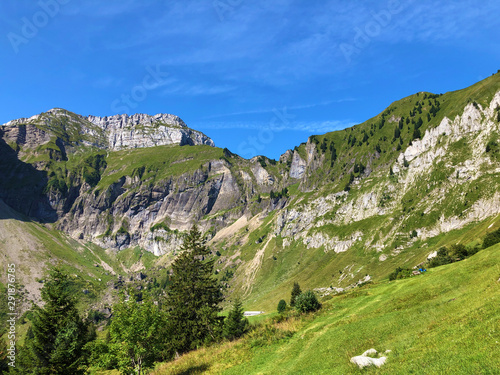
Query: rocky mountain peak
point(142, 130)
point(116, 132)
point(126, 121)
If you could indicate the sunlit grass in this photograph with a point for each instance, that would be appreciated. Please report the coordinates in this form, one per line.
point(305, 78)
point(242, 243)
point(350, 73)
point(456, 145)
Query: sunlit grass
point(443, 322)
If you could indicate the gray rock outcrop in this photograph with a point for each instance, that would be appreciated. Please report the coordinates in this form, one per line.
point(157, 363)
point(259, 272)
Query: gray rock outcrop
point(364, 360)
point(141, 130)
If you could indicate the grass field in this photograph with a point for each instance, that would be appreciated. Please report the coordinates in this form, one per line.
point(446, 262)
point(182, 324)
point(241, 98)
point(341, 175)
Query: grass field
point(445, 321)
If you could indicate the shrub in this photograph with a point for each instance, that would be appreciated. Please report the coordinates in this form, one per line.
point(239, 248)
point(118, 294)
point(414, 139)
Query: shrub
point(491, 145)
point(95, 316)
point(262, 161)
point(307, 302)
point(281, 306)
point(458, 251)
point(473, 250)
point(441, 258)
point(491, 239)
point(400, 273)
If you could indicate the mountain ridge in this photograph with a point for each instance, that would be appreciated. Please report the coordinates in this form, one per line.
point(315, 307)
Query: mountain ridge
point(121, 131)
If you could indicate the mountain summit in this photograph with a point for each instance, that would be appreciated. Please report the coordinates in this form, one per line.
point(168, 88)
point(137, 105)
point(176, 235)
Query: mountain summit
point(113, 133)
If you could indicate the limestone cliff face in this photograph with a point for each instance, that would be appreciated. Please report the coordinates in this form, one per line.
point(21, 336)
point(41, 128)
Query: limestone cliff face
point(36, 143)
point(113, 133)
point(298, 166)
point(131, 212)
point(142, 130)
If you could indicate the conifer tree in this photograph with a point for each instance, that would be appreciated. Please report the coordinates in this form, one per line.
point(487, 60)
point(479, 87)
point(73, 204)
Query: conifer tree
point(334, 153)
point(295, 293)
point(193, 297)
point(397, 133)
point(235, 324)
point(416, 134)
point(58, 334)
point(281, 306)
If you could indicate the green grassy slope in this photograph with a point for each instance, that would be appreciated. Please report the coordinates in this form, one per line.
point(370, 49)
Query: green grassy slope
point(445, 321)
point(313, 268)
point(374, 143)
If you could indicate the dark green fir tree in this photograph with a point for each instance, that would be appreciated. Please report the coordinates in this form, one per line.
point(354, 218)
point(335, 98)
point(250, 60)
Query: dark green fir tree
point(193, 297)
point(235, 324)
point(295, 293)
point(56, 340)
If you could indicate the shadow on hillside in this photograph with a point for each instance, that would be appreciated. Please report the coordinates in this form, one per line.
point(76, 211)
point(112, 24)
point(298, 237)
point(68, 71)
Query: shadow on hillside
point(194, 370)
point(22, 188)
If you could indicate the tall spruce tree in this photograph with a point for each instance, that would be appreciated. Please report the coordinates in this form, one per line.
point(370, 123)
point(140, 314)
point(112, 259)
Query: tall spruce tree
point(193, 297)
point(58, 334)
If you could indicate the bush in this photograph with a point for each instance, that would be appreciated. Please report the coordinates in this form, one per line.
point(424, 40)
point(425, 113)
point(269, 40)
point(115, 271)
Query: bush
point(458, 251)
point(492, 145)
point(441, 258)
point(281, 306)
point(473, 250)
point(307, 302)
point(400, 273)
point(491, 239)
point(95, 316)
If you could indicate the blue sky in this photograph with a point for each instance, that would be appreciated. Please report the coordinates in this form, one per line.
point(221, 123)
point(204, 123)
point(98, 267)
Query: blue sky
point(257, 76)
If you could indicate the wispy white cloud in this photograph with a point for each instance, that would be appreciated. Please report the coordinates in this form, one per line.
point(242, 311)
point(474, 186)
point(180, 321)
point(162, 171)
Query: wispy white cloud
point(316, 127)
point(196, 89)
point(293, 43)
point(287, 108)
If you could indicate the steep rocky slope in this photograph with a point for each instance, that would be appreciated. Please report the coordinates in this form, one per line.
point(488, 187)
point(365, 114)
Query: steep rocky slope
point(124, 181)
